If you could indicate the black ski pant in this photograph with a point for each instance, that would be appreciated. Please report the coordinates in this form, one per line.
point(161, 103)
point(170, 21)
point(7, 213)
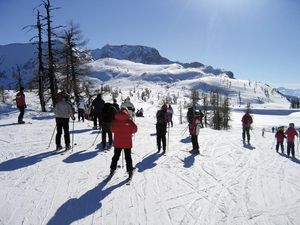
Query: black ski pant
point(161, 131)
point(246, 131)
point(106, 130)
point(291, 148)
point(281, 145)
point(21, 115)
point(81, 114)
point(128, 159)
point(62, 123)
point(195, 142)
point(97, 118)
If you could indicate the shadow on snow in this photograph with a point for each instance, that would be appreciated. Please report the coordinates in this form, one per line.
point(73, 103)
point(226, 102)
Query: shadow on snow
point(78, 208)
point(148, 162)
point(189, 161)
point(186, 140)
point(23, 161)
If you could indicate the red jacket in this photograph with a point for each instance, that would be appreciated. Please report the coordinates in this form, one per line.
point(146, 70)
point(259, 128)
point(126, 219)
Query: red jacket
point(291, 133)
point(20, 99)
point(194, 125)
point(123, 128)
point(247, 120)
point(280, 136)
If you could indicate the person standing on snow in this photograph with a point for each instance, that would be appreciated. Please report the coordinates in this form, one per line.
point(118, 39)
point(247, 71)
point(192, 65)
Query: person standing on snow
point(63, 111)
point(291, 133)
point(128, 104)
point(107, 116)
point(81, 109)
point(280, 138)
point(247, 121)
point(123, 127)
point(97, 106)
point(161, 128)
point(194, 128)
point(170, 112)
point(21, 104)
point(263, 132)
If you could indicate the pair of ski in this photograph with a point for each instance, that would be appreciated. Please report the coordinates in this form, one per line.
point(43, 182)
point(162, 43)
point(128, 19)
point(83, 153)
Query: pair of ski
point(62, 151)
point(128, 180)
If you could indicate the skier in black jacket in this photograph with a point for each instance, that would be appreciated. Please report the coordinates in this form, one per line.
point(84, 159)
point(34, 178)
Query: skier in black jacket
point(107, 116)
point(97, 106)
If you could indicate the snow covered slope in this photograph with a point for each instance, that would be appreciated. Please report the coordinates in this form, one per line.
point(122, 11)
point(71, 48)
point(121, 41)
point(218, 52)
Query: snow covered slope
point(228, 183)
point(179, 79)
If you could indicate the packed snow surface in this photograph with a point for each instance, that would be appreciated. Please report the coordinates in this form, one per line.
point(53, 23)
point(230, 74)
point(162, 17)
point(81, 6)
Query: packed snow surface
point(228, 183)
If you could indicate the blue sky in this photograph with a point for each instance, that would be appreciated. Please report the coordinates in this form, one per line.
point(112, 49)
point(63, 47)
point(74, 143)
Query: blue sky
point(256, 39)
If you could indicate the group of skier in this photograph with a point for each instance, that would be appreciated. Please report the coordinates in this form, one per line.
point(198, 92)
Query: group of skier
point(280, 135)
point(113, 119)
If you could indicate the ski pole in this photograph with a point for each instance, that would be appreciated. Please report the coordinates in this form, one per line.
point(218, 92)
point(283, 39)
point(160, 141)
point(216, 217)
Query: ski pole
point(73, 136)
point(168, 138)
point(298, 146)
point(52, 136)
point(123, 158)
point(273, 143)
point(185, 129)
point(95, 138)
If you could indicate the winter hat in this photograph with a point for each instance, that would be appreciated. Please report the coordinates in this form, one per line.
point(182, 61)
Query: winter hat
point(59, 96)
point(125, 109)
point(164, 107)
point(21, 88)
point(291, 125)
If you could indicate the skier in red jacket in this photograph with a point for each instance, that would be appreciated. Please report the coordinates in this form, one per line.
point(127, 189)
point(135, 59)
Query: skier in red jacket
point(291, 133)
point(123, 128)
point(280, 138)
point(247, 121)
point(21, 104)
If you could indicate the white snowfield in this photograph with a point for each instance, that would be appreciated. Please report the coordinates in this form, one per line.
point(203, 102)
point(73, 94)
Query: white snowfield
point(226, 184)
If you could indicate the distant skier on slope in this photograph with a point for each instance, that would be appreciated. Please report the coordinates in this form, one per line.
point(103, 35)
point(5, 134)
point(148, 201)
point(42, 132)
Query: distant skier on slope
point(123, 127)
point(63, 111)
point(128, 104)
point(170, 112)
point(21, 104)
point(161, 128)
point(81, 106)
point(246, 122)
point(291, 133)
point(194, 128)
point(280, 138)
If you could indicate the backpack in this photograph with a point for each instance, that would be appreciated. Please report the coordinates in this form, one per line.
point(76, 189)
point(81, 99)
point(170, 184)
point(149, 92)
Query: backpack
point(161, 116)
point(247, 120)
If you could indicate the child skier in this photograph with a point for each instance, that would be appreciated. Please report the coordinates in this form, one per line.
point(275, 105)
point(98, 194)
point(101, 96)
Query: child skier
point(123, 127)
point(194, 128)
point(280, 138)
point(291, 133)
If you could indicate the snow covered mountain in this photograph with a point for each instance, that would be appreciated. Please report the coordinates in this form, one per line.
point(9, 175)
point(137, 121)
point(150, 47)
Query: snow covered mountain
point(289, 92)
point(22, 57)
point(113, 64)
point(136, 53)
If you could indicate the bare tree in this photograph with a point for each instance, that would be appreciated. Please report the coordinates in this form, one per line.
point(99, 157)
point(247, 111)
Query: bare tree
point(51, 65)
point(194, 98)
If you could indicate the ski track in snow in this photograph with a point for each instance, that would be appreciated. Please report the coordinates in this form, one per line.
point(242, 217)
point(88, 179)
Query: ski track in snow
point(226, 184)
